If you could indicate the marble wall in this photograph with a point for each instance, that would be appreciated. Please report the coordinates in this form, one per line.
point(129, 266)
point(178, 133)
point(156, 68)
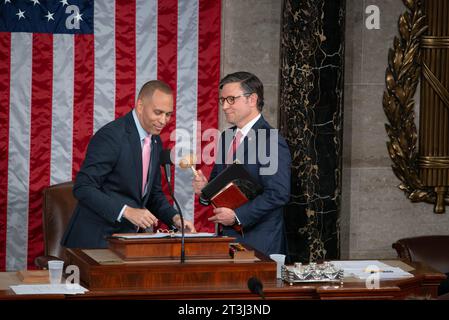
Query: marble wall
point(311, 88)
point(375, 213)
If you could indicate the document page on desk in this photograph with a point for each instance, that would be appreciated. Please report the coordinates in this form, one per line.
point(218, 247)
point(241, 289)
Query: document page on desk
point(48, 289)
point(158, 235)
point(196, 235)
point(362, 269)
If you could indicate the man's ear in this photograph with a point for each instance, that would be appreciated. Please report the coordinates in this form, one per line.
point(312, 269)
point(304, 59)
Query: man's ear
point(139, 105)
point(253, 98)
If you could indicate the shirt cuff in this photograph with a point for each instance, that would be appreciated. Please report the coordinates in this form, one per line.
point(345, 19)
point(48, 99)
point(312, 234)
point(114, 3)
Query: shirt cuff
point(119, 219)
point(203, 201)
point(237, 220)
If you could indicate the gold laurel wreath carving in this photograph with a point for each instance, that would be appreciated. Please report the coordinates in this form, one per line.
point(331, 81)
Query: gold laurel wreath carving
point(401, 78)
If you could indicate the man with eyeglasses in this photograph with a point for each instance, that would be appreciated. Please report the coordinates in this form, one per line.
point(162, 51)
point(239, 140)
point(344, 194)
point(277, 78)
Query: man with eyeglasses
point(260, 220)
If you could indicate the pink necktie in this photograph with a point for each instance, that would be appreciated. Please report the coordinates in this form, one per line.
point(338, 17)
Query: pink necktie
point(233, 147)
point(146, 150)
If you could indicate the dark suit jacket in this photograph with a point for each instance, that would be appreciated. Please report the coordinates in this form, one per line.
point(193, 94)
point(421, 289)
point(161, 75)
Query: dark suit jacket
point(110, 177)
point(262, 218)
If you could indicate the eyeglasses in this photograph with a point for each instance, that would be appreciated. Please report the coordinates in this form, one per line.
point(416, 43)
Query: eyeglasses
point(231, 99)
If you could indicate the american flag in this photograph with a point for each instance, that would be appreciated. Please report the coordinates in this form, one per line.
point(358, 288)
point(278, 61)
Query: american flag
point(67, 68)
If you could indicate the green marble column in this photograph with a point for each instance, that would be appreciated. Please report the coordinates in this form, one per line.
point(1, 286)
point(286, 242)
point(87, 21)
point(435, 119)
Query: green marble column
point(311, 119)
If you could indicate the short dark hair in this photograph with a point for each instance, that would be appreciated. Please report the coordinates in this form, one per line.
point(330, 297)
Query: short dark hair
point(248, 82)
point(148, 88)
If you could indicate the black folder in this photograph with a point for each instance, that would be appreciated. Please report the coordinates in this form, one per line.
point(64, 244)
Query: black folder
point(237, 175)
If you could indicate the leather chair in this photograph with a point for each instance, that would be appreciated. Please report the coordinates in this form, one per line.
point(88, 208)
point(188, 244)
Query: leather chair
point(58, 206)
point(431, 250)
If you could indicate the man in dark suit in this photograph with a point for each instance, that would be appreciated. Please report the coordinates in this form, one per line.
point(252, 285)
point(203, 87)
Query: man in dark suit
point(265, 155)
point(110, 187)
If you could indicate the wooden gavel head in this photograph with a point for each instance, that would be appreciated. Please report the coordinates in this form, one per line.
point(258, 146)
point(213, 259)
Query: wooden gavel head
point(188, 162)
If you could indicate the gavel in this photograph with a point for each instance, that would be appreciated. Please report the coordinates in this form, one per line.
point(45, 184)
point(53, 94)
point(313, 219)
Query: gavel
point(189, 162)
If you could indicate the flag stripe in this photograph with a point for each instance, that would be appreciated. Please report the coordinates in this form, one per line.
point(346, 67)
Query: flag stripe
point(62, 111)
point(82, 98)
point(208, 73)
point(146, 42)
point(5, 61)
point(19, 148)
point(167, 62)
point(167, 56)
point(125, 45)
point(186, 101)
point(40, 142)
point(56, 94)
point(104, 30)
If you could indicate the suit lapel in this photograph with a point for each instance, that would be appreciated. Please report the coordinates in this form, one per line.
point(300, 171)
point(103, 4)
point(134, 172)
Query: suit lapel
point(153, 165)
point(136, 151)
point(251, 138)
point(228, 139)
point(154, 162)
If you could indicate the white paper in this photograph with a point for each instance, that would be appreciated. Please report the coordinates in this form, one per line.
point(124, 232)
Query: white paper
point(166, 235)
point(359, 264)
point(144, 236)
point(362, 269)
point(196, 235)
point(48, 289)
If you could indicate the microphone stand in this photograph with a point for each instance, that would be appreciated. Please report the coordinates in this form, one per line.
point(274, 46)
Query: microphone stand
point(183, 253)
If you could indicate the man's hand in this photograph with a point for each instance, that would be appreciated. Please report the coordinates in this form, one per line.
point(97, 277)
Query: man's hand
point(188, 225)
point(199, 182)
point(225, 216)
point(140, 217)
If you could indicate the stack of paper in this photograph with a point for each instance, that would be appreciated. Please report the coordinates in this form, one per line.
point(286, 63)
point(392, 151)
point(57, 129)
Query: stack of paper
point(162, 235)
point(48, 289)
point(365, 268)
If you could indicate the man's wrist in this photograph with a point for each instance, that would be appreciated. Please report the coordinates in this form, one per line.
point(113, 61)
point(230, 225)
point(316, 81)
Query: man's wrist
point(122, 213)
point(237, 226)
point(177, 220)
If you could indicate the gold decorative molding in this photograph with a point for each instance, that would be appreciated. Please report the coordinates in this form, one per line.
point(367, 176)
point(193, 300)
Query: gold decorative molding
point(434, 162)
point(437, 86)
point(402, 77)
point(432, 42)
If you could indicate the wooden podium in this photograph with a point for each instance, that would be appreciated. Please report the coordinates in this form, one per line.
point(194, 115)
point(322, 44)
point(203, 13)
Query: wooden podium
point(170, 248)
point(124, 270)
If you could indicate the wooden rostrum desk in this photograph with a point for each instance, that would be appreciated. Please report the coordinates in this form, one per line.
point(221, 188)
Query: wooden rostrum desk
point(425, 282)
point(108, 276)
point(155, 264)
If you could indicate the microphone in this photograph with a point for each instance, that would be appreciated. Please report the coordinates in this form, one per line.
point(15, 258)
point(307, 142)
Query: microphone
point(165, 161)
point(256, 287)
